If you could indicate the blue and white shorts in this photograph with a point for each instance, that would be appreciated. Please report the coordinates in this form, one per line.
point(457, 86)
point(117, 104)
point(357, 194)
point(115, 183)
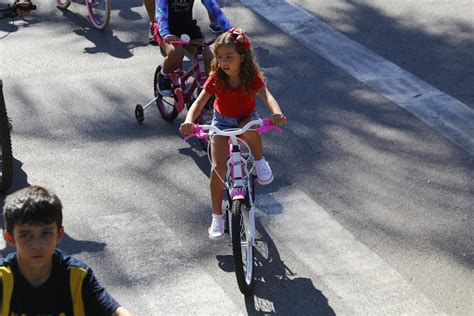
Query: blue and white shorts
point(225, 122)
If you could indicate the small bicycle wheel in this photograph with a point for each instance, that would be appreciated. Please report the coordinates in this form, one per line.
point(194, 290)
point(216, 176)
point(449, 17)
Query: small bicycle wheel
point(64, 4)
point(242, 247)
point(6, 157)
point(139, 113)
point(165, 104)
point(99, 13)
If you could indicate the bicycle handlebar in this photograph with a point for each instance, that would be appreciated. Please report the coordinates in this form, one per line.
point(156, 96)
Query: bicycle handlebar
point(265, 125)
point(181, 42)
point(10, 11)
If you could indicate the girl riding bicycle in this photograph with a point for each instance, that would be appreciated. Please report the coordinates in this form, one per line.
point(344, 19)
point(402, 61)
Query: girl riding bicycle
point(235, 80)
point(174, 18)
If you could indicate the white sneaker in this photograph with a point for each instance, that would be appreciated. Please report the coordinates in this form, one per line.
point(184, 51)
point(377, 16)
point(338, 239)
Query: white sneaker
point(264, 173)
point(216, 231)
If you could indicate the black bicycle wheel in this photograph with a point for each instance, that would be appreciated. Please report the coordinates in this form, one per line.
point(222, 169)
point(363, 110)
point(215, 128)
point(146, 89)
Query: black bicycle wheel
point(166, 105)
point(6, 158)
point(242, 247)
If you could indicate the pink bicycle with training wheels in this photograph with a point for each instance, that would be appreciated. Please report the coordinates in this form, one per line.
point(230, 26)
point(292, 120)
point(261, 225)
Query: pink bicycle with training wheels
point(239, 188)
point(186, 86)
point(98, 10)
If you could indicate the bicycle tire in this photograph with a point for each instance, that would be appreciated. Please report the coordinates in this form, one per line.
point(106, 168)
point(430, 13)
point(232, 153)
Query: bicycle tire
point(6, 158)
point(242, 246)
point(64, 4)
point(99, 13)
point(166, 105)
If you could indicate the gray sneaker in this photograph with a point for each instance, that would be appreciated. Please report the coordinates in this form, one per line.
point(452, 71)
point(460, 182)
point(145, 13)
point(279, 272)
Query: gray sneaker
point(216, 231)
point(264, 172)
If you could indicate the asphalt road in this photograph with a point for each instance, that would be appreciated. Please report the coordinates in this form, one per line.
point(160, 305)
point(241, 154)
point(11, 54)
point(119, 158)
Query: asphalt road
point(371, 208)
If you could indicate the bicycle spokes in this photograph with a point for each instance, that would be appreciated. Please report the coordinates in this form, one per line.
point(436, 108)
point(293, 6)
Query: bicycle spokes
point(99, 12)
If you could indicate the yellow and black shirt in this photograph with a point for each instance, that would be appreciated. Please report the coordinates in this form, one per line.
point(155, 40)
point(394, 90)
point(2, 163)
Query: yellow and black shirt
point(71, 289)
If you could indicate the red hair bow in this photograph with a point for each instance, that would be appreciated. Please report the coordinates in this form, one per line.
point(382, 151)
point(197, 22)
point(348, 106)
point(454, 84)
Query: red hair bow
point(240, 37)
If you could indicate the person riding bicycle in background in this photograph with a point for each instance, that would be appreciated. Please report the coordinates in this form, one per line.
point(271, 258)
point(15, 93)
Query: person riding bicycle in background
point(214, 26)
point(235, 80)
point(174, 18)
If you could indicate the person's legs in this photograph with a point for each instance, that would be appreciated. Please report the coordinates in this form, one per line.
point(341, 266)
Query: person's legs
point(150, 9)
point(206, 53)
point(218, 169)
point(219, 152)
point(254, 140)
point(172, 61)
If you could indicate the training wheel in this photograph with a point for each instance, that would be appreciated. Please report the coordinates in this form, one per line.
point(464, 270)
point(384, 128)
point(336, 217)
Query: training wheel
point(139, 114)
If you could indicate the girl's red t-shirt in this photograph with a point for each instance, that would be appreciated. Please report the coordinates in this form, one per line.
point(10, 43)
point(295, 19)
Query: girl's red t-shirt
point(234, 103)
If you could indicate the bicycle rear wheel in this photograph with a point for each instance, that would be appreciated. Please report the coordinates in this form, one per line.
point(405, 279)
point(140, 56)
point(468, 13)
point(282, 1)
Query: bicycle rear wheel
point(99, 13)
point(64, 4)
point(242, 247)
point(6, 158)
point(166, 105)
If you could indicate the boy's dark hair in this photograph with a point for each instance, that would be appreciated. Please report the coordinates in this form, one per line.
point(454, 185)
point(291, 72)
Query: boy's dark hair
point(32, 205)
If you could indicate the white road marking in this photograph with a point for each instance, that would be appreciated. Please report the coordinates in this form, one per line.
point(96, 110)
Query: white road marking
point(447, 115)
point(360, 282)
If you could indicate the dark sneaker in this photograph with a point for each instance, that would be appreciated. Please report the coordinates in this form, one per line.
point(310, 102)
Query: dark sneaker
point(151, 36)
point(164, 85)
point(215, 28)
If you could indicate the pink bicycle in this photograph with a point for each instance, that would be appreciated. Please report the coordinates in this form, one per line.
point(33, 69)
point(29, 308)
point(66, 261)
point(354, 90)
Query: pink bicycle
point(98, 10)
point(239, 184)
point(186, 86)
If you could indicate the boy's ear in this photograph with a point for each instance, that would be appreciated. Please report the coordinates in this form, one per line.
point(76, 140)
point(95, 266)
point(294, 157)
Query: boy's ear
point(9, 238)
point(60, 234)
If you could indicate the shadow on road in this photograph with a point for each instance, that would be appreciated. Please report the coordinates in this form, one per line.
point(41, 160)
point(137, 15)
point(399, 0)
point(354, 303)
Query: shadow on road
point(278, 290)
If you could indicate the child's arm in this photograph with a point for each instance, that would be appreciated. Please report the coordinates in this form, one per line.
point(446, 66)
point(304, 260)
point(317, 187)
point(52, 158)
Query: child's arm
point(161, 17)
point(216, 14)
point(187, 127)
point(267, 98)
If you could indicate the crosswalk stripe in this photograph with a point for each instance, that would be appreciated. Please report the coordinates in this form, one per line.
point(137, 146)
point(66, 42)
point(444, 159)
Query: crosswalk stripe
point(362, 282)
point(447, 115)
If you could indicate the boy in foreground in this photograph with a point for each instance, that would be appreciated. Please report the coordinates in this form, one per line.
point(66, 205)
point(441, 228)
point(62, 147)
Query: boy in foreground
point(39, 279)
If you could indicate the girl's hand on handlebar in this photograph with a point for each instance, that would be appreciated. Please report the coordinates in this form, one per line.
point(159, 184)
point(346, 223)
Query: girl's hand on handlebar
point(186, 128)
point(278, 119)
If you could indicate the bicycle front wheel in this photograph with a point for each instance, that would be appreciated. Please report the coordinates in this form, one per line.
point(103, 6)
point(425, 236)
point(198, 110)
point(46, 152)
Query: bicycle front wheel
point(242, 247)
point(6, 157)
point(166, 104)
point(99, 13)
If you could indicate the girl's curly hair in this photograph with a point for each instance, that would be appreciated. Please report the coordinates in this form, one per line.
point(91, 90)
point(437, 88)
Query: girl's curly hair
point(248, 69)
